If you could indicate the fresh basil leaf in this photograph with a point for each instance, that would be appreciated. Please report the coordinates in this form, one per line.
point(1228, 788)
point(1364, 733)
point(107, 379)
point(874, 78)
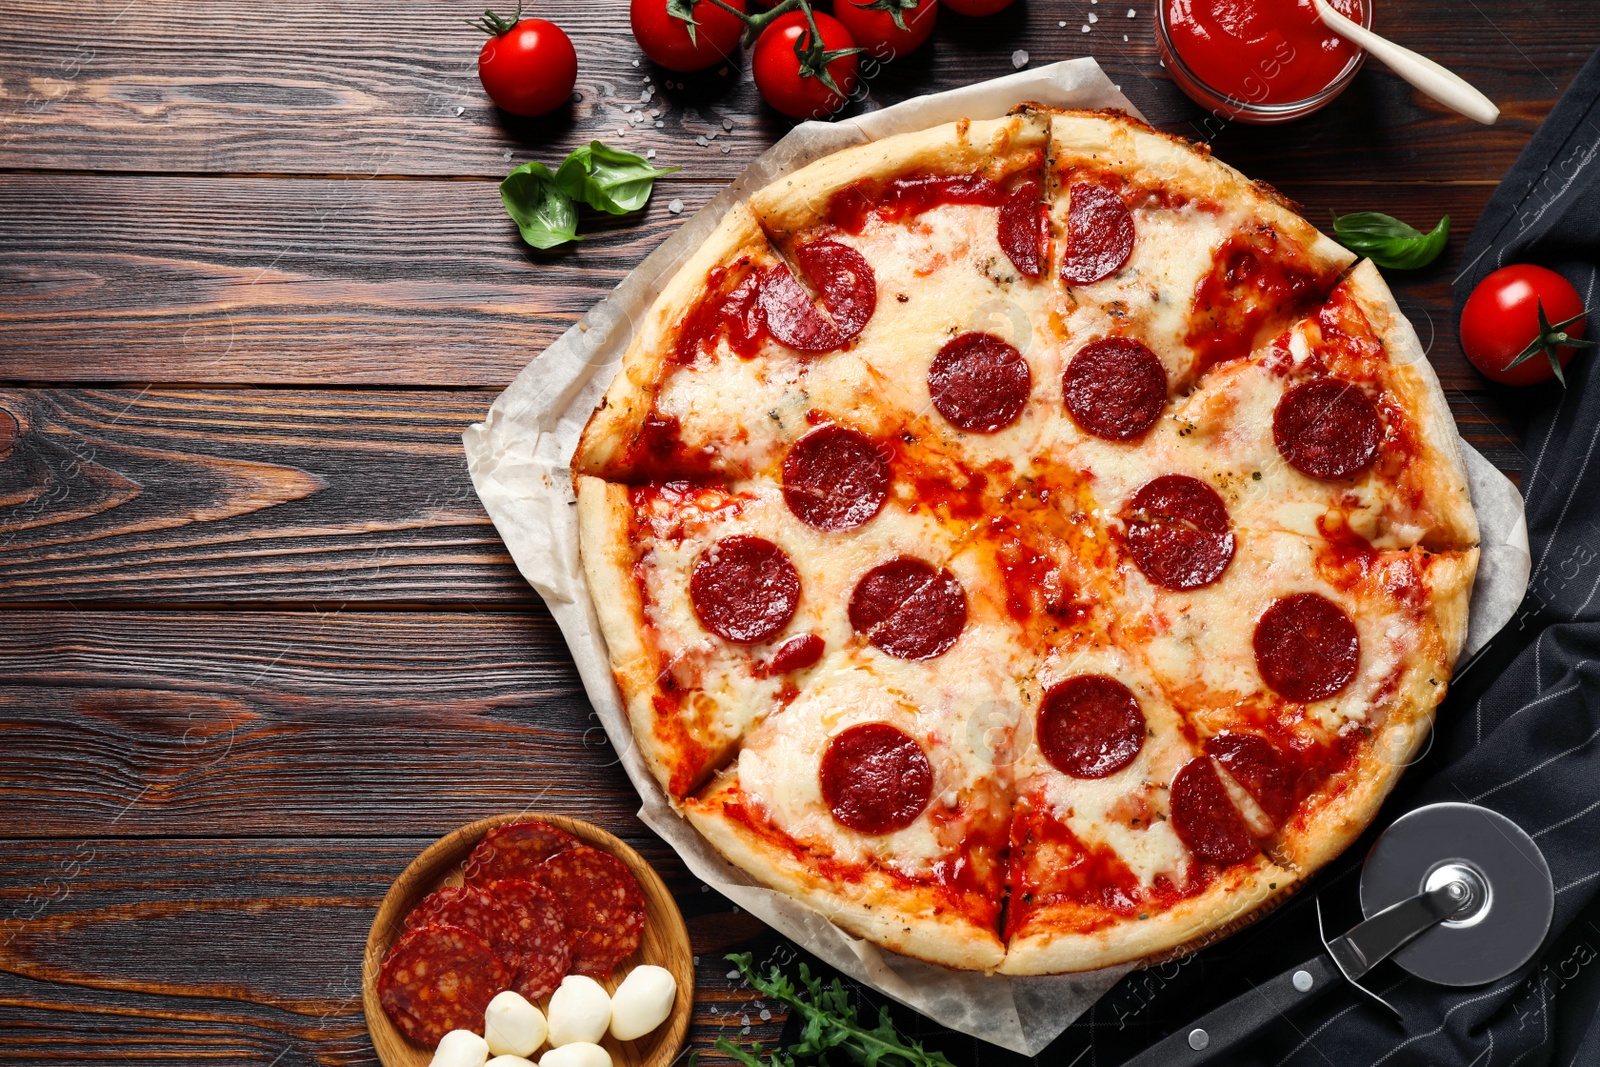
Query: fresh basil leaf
point(1388, 242)
point(608, 178)
point(546, 216)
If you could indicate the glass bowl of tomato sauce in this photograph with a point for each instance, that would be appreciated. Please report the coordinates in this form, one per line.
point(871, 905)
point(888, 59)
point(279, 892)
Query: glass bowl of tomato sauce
point(1260, 61)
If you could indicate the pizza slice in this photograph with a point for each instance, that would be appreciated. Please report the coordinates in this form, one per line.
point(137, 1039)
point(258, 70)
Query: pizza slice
point(1162, 245)
point(1335, 429)
point(1124, 845)
point(877, 803)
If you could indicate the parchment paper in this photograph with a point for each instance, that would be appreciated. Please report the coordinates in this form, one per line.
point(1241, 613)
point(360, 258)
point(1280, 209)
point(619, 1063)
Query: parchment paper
point(519, 455)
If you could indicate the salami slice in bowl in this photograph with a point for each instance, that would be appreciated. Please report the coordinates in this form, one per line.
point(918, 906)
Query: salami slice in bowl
point(604, 905)
point(540, 932)
point(514, 850)
point(439, 978)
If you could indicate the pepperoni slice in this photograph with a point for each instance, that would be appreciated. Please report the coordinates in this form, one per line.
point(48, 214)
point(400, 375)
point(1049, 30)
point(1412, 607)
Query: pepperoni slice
point(1090, 726)
point(849, 291)
point(1259, 767)
point(539, 929)
point(1306, 647)
point(979, 383)
point(844, 278)
point(796, 654)
point(514, 850)
point(1327, 428)
point(792, 317)
point(1022, 223)
point(875, 779)
point(744, 589)
point(439, 978)
point(1115, 388)
point(908, 609)
point(470, 908)
point(1204, 818)
point(604, 906)
point(1099, 235)
point(1179, 533)
point(835, 478)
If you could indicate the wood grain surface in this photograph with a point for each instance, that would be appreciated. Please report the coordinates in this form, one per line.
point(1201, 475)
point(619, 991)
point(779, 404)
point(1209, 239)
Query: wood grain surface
point(260, 642)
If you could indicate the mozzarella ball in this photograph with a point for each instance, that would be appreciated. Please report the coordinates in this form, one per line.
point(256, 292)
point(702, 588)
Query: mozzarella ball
point(642, 1002)
point(577, 1054)
point(512, 1026)
point(460, 1048)
point(580, 1010)
point(509, 1061)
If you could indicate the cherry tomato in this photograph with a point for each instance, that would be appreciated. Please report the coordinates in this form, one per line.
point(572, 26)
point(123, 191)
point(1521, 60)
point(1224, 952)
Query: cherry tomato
point(528, 68)
point(874, 28)
point(665, 37)
point(784, 79)
point(1501, 319)
point(975, 7)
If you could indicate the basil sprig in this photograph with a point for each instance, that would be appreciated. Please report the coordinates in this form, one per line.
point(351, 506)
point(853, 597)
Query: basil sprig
point(544, 204)
point(1388, 242)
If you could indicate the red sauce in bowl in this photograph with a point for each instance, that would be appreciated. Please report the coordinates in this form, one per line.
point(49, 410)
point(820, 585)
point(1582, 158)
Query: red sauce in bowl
point(1260, 51)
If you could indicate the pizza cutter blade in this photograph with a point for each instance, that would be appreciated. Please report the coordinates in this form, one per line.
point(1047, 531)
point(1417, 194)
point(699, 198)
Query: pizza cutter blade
point(1454, 893)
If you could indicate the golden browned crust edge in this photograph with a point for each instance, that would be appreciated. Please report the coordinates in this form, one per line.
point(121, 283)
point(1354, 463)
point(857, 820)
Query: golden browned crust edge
point(604, 520)
point(1234, 900)
point(800, 200)
point(875, 907)
point(617, 420)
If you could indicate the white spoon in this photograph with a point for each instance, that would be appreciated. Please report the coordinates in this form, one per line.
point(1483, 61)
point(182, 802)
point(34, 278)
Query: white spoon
point(1449, 89)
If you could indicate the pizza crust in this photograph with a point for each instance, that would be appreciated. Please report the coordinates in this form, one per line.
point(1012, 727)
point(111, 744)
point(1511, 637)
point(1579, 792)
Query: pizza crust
point(995, 147)
point(1239, 894)
point(604, 523)
point(912, 921)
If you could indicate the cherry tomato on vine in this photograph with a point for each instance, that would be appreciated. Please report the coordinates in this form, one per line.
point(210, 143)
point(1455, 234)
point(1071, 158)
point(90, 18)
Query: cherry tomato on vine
point(665, 32)
point(873, 24)
point(1519, 322)
point(977, 8)
point(793, 69)
point(527, 66)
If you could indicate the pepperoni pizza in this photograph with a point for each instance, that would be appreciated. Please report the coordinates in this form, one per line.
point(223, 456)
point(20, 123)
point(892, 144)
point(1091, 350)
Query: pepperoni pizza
point(1028, 542)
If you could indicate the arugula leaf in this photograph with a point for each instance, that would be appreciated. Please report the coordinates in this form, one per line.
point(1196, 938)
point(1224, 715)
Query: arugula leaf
point(830, 1025)
point(1388, 242)
point(546, 216)
point(608, 178)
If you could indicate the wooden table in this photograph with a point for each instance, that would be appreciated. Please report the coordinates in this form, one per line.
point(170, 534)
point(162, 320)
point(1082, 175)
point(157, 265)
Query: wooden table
point(260, 643)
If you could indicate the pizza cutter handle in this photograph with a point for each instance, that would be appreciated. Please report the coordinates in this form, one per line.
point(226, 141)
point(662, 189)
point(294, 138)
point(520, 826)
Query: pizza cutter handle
point(1212, 1035)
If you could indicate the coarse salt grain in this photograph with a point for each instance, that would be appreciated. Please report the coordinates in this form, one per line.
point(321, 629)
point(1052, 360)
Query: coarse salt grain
point(1086, 27)
point(1093, 18)
point(676, 207)
point(651, 155)
point(1019, 59)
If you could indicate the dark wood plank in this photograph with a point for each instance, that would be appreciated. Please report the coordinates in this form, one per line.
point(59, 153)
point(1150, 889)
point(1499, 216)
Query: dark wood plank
point(261, 723)
point(315, 281)
point(265, 495)
point(250, 949)
point(306, 86)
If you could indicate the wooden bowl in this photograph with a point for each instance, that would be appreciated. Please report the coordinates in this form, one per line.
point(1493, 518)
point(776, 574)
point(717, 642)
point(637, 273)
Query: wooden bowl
point(665, 942)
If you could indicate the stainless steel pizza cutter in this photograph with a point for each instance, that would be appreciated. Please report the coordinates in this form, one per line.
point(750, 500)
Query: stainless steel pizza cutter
point(1456, 894)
